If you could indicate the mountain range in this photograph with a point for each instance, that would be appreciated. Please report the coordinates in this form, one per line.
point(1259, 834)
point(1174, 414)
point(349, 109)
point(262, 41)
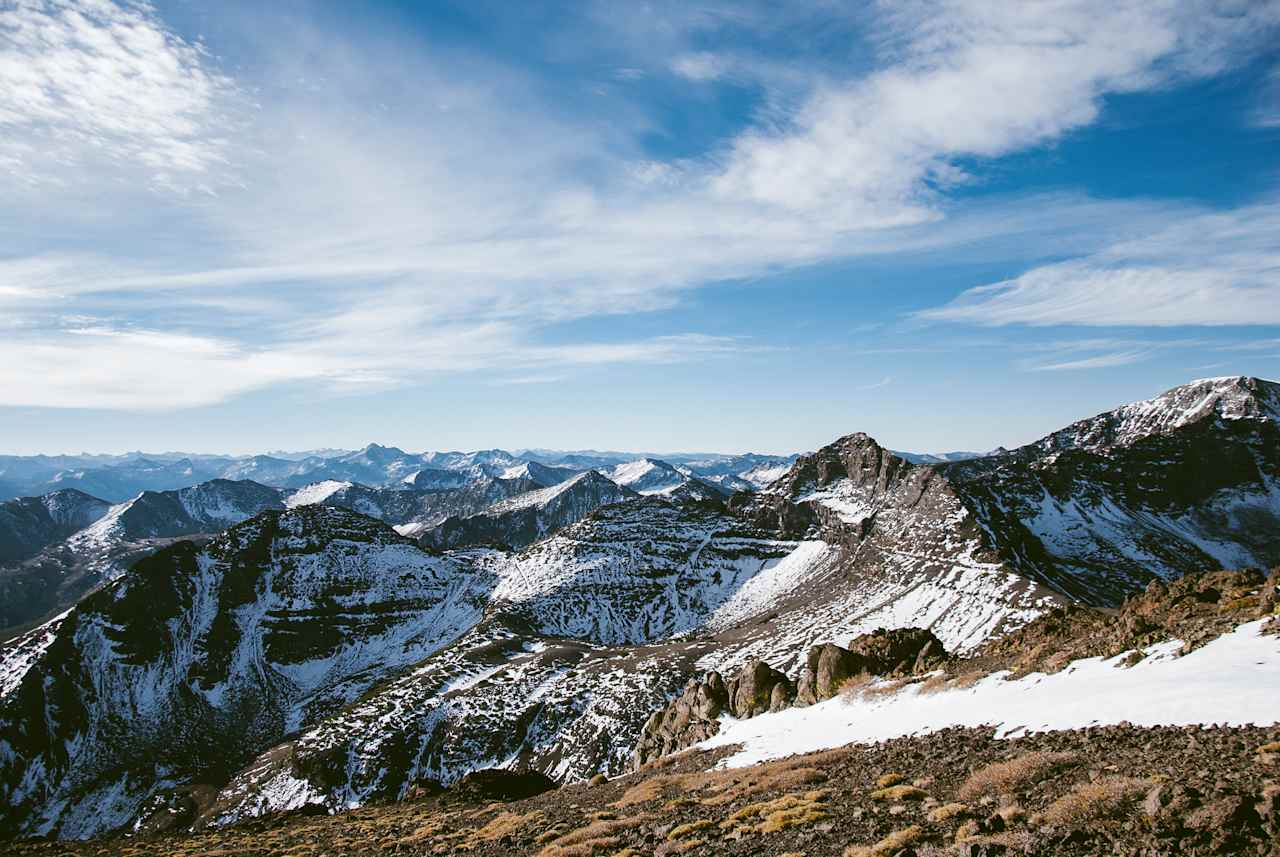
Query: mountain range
point(119, 478)
point(230, 649)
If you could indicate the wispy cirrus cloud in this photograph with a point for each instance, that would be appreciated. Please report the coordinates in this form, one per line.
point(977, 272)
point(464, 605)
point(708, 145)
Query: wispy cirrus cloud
point(1097, 361)
point(1214, 268)
point(86, 82)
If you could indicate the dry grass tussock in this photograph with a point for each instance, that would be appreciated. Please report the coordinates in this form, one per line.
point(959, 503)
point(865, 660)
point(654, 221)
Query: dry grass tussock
point(1089, 803)
point(602, 833)
point(898, 793)
point(968, 679)
point(782, 813)
point(948, 812)
point(891, 844)
point(852, 687)
point(935, 683)
point(719, 787)
point(1006, 777)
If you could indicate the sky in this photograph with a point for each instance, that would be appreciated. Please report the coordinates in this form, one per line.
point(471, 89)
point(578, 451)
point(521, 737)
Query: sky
point(716, 226)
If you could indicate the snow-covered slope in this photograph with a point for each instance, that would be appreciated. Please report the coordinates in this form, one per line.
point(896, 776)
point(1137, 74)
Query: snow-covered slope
point(182, 667)
point(1229, 681)
point(647, 476)
point(540, 473)
point(524, 518)
point(209, 507)
point(29, 524)
point(1188, 481)
point(63, 571)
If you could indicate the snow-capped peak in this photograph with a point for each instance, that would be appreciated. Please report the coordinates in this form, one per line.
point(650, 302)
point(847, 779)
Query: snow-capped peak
point(543, 495)
point(646, 476)
point(1233, 397)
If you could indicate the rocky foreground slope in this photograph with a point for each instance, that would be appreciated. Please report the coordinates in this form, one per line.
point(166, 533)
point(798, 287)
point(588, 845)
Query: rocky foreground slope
point(313, 659)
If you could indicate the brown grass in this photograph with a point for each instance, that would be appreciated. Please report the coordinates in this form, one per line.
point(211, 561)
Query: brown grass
point(1273, 747)
point(585, 840)
point(968, 679)
point(898, 793)
point(935, 683)
point(684, 831)
point(645, 791)
point(890, 779)
point(852, 687)
point(1110, 797)
point(727, 786)
point(790, 810)
point(504, 824)
point(948, 812)
point(891, 844)
point(1005, 777)
point(884, 688)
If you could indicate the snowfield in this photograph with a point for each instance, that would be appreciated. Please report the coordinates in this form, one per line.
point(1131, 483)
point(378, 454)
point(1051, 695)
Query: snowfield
point(1234, 680)
point(317, 492)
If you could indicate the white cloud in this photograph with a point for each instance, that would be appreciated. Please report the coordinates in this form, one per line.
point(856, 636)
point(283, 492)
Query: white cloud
point(700, 66)
point(970, 78)
point(1208, 269)
point(149, 370)
point(87, 82)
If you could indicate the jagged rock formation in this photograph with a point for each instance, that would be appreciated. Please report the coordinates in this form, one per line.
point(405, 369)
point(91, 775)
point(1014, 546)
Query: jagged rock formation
point(758, 688)
point(1188, 481)
point(689, 718)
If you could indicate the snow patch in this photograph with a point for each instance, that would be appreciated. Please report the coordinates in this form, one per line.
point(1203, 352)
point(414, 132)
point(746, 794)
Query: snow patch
point(317, 492)
point(1231, 680)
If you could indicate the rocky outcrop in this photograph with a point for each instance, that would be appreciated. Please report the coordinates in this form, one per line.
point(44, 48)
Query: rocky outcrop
point(899, 651)
point(774, 512)
point(689, 718)
point(758, 688)
point(693, 715)
point(905, 651)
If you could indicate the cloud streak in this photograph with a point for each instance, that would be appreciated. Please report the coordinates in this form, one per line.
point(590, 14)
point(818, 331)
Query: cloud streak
point(1202, 270)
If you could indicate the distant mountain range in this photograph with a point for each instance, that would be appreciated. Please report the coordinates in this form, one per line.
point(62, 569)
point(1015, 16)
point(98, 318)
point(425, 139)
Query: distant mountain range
point(119, 478)
point(236, 648)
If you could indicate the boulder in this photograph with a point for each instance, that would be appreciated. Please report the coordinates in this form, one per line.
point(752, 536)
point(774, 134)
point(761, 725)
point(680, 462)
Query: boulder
point(826, 668)
point(497, 784)
point(751, 691)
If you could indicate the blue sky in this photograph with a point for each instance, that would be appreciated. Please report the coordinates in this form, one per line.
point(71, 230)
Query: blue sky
point(661, 226)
